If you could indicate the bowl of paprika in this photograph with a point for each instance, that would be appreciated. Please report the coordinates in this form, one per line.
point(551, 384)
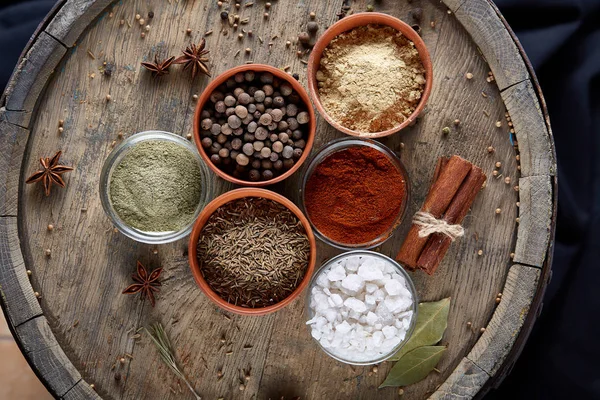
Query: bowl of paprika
point(354, 193)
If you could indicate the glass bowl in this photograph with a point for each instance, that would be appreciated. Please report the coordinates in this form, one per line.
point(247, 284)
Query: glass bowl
point(113, 160)
point(399, 270)
point(342, 144)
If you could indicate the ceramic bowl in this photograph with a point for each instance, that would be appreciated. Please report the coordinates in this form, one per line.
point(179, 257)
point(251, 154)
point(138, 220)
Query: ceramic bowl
point(354, 21)
point(219, 80)
point(197, 230)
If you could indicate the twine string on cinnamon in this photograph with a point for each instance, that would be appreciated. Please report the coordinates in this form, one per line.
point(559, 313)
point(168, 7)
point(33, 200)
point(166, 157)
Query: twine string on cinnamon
point(428, 225)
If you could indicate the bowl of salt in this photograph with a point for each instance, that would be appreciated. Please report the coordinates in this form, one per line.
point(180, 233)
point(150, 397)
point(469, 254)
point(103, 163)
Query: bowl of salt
point(362, 307)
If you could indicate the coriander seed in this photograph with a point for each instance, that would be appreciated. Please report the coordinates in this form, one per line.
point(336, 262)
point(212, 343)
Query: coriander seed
point(480, 253)
point(490, 149)
point(312, 15)
point(370, 7)
point(498, 164)
point(108, 97)
point(266, 15)
point(498, 211)
point(61, 129)
point(482, 330)
point(29, 273)
point(48, 252)
point(507, 180)
point(469, 75)
point(248, 50)
point(142, 21)
point(138, 16)
point(188, 31)
point(50, 227)
point(240, 36)
point(267, 5)
point(445, 130)
point(498, 124)
point(457, 122)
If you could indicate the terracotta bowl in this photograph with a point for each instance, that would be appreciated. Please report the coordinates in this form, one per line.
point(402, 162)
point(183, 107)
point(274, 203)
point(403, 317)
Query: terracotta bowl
point(199, 225)
point(346, 24)
point(205, 98)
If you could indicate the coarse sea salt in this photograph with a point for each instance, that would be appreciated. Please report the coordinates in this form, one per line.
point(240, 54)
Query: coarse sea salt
point(362, 308)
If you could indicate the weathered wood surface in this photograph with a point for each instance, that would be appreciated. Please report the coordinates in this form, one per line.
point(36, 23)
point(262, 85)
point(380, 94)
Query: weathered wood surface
point(80, 283)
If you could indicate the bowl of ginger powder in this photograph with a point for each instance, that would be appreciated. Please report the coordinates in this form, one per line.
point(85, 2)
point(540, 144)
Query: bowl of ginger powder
point(370, 75)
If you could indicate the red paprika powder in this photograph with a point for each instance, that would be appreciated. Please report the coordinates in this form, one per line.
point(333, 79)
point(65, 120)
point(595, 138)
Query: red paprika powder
point(355, 195)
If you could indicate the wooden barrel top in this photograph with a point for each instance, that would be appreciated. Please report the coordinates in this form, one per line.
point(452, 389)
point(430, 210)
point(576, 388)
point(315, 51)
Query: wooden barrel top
point(80, 325)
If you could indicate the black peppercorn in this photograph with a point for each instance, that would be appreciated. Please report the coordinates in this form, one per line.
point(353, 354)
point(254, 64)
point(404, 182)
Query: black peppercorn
point(224, 15)
point(296, 76)
point(151, 14)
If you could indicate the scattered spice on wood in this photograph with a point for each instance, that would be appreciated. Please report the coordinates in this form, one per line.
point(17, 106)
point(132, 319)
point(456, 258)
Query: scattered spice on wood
point(159, 68)
point(456, 183)
point(50, 173)
point(371, 78)
point(253, 252)
point(194, 56)
point(335, 199)
point(146, 284)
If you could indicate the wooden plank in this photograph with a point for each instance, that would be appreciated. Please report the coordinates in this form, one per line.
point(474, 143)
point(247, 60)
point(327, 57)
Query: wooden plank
point(535, 143)
point(494, 345)
point(47, 356)
point(73, 18)
point(464, 382)
point(12, 142)
point(489, 33)
point(535, 220)
point(31, 75)
point(15, 289)
point(82, 390)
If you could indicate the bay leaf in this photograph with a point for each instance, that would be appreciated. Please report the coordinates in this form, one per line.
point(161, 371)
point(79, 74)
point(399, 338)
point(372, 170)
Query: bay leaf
point(414, 366)
point(432, 320)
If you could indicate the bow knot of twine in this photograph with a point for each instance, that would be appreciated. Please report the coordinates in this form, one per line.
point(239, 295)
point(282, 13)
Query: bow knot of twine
point(429, 224)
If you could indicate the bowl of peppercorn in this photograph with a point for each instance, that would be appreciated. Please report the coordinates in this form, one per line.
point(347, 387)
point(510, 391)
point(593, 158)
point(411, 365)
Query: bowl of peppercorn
point(254, 125)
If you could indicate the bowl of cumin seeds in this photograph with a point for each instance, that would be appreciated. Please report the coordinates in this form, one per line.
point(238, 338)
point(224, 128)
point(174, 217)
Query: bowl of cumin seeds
point(252, 251)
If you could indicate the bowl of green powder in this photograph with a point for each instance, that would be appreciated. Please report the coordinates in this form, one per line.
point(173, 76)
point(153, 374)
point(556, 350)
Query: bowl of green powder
point(153, 187)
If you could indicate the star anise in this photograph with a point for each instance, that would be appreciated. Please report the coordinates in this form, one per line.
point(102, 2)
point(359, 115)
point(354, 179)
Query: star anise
point(194, 56)
point(159, 68)
point(146, 284)
point(51, 173)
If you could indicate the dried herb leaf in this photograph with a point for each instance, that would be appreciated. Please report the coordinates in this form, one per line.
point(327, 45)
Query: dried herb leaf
point(432, 320)
point(414, 366)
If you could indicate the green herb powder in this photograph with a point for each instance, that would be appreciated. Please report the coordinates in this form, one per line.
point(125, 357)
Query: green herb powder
point(156, 187)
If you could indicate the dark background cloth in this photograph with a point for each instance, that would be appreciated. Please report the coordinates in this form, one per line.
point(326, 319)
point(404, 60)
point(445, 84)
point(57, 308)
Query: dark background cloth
point(562, 39)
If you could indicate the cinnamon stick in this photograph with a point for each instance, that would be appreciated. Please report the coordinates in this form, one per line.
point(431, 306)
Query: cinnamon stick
point(439, 197)
point(438, 244)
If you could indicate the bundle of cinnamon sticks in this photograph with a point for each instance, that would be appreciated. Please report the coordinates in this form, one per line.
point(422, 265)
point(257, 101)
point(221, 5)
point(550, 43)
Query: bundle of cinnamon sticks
point(455, 185)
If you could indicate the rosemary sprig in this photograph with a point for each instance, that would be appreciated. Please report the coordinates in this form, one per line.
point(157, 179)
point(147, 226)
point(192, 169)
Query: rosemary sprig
point(161, 340)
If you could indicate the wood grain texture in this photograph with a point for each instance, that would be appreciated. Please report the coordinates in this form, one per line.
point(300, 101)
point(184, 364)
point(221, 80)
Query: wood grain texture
point(13, 139)
point(535, 219)
point(47, 356)
point(489, 33)
point(31, 76)
point(535, 143)
point(90, 264)
point(15, 289)
point(464, 382)
point(500, 334)
point(82, 390)
point(73, 18)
